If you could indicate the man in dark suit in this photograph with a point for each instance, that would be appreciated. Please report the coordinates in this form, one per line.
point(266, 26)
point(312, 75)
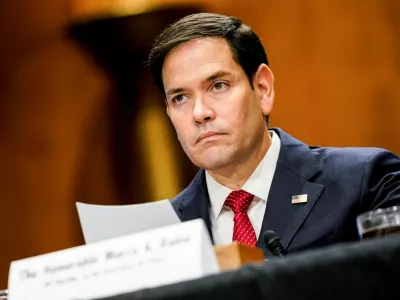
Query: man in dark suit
point(219, 93)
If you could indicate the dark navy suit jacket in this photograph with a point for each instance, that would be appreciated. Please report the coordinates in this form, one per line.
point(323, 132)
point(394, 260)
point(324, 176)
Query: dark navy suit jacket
point(341, 183)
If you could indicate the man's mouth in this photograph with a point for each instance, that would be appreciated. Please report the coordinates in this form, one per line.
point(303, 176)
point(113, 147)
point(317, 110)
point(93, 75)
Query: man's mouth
point(208, 135)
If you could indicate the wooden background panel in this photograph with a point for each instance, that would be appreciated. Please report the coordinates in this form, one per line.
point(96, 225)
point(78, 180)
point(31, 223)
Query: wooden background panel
point(51, 94)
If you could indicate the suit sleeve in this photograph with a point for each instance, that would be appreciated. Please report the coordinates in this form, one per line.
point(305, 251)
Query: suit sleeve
point(381, 181)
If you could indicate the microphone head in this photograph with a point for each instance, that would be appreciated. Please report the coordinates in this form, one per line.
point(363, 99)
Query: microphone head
point(273, 242)
point(269, 237)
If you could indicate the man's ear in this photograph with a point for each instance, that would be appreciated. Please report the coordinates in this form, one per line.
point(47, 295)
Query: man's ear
point(263, 82)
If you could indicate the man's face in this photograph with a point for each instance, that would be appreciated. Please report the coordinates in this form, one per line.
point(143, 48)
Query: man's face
point(218, 117)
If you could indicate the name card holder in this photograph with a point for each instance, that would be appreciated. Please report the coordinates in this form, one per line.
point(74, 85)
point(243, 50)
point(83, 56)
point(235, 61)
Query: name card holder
point(233, 256)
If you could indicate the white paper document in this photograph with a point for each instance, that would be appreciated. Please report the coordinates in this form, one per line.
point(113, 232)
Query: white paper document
point(148, 259)
point(102, 222)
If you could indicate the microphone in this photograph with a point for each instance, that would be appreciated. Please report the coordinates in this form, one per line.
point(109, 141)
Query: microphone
point(273, 243)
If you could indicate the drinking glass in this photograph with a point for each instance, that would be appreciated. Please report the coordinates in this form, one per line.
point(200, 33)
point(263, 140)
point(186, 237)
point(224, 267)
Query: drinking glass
point(379, 222)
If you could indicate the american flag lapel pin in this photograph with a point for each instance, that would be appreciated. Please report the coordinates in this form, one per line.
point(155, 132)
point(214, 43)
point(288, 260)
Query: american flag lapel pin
point(299, 199)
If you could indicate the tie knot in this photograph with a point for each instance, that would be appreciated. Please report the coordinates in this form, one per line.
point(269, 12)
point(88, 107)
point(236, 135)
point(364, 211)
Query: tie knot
point(239, 201)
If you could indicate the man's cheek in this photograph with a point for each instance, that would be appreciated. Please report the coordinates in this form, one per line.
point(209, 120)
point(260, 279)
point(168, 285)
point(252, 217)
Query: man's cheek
point(183, 140)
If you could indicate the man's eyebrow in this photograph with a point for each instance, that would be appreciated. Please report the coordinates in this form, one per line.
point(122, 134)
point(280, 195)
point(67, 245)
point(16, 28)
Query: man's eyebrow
point(217, 75)
point(175, 91)
point(214, 76)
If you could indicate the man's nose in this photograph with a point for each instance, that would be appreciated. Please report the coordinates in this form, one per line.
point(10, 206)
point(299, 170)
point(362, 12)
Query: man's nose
point(203, 111)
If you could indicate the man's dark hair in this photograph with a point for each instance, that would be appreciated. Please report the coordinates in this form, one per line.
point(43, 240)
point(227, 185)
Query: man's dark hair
point(246, 46)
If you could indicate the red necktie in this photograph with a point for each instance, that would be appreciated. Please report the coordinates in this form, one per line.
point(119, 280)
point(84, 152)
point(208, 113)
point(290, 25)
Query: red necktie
point(243, 231)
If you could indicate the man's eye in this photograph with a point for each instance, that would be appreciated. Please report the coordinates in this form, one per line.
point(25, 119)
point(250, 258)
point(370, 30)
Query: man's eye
point(178, 98)
point(219, 86)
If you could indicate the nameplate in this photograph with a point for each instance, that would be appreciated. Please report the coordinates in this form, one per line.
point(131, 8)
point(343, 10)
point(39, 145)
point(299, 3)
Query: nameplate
point(148, 259)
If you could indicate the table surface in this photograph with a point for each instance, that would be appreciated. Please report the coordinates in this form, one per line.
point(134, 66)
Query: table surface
point(364, 270)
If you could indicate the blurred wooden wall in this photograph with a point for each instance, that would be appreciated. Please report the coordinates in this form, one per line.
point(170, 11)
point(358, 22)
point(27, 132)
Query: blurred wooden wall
point(337, 68)
point(52, 102)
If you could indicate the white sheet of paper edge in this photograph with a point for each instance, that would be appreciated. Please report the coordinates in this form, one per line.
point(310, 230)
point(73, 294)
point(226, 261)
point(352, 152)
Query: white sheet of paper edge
point(102, 222)
point(148, 259)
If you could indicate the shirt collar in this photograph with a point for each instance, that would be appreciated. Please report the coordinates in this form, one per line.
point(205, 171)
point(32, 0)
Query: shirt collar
point(258, 184)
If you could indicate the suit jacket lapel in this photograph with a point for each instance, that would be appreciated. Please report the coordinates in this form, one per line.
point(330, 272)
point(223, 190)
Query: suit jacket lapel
point(195, 202)
point(295, 167)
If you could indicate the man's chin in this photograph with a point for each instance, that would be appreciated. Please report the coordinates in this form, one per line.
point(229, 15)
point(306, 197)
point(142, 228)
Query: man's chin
point(212, 163)
point(213, 158)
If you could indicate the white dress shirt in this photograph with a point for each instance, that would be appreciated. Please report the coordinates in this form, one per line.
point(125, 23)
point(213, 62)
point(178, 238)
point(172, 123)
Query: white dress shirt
point(258, 184)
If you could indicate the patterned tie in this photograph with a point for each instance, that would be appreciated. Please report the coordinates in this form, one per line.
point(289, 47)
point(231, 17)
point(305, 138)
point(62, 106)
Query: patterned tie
point(243, 231)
